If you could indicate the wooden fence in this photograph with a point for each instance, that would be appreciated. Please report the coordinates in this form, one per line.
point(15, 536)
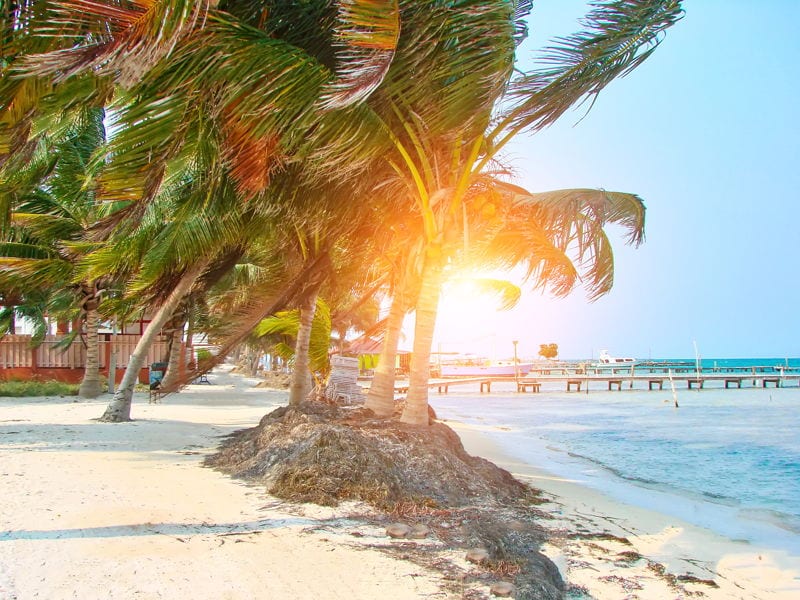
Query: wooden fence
point(18, 358)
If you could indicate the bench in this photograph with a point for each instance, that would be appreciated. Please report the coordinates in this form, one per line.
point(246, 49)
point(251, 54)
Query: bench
point(615, 382)
point(775, 380)
point(730, 380)
point(652, 382)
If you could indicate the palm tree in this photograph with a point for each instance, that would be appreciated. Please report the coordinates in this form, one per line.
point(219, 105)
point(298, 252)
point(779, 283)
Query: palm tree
point(176, 67)
point(311, 344)
point(52, 208)
point(445, 158)
point(163, 261)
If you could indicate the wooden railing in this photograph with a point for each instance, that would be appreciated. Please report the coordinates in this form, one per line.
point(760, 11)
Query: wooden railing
point(16, 352)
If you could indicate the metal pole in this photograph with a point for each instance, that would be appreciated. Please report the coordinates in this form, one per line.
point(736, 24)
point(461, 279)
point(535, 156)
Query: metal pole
point(516, 364)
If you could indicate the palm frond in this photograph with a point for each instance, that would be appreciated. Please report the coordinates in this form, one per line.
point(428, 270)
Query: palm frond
point(507, 293)
point(599, 208)
point(125, 40)
point(559, 236)
point(17, 250)
point(619, 36)
point(367, 37)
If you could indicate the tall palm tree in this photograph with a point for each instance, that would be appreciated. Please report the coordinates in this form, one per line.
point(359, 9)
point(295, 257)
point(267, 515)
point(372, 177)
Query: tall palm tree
point(164, 260)
point(445, 158)
point(256, 72)
point(53, 207)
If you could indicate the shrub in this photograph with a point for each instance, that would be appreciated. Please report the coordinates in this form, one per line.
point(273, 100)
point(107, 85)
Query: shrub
point(17, 388)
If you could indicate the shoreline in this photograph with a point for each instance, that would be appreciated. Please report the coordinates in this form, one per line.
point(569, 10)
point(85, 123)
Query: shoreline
point(738, 569)
point(114, 510)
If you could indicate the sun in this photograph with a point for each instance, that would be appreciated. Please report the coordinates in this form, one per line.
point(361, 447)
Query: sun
point(468, 317)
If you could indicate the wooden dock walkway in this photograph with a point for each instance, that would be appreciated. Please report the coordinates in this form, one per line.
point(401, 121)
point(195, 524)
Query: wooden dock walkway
point(658, 381)
point(584, 382)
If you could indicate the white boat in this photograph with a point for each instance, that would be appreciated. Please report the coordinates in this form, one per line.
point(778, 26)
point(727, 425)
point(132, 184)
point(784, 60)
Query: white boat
point(607, 359)
point(474, 368)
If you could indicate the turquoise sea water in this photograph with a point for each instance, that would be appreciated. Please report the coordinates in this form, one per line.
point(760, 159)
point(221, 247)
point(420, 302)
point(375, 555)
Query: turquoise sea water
point(727, 459)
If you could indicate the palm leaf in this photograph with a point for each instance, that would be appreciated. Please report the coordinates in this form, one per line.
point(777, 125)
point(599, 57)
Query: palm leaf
point(559, 236)
point(287, 323)
point(507, 293)
point(17, 250)
point(619, 36)
point(367, 36)
point(125, 40)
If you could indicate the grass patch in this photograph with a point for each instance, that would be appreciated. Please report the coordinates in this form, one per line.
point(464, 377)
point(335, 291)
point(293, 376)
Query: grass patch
point(18, 389)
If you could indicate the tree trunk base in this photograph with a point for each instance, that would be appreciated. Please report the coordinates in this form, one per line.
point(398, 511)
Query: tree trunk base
point(114, 416)
point(117, 411)
point(91, 388)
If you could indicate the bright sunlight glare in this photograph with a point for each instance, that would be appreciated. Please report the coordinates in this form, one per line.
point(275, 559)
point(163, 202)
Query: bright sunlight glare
point(471, 320)
point(468, 317)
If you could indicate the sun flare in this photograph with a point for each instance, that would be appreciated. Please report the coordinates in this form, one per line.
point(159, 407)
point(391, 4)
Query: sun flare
point(469, 315)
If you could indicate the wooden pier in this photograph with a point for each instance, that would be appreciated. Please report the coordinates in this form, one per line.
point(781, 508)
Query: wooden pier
point(573, 382)
point(652, 381)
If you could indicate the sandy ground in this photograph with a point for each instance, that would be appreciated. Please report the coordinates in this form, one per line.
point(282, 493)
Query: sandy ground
point(96, 511)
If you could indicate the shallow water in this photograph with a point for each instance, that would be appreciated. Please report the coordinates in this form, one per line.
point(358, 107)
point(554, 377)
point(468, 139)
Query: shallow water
point(727, 459)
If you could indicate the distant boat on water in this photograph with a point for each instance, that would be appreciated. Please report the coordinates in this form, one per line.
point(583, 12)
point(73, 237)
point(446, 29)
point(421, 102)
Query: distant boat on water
point(607, 359)
point(477, 368)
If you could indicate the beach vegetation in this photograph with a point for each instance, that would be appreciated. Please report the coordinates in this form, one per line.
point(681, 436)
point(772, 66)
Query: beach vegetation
point(49, 205)
point(548, 350)
point(323, 454)
point(16, 388)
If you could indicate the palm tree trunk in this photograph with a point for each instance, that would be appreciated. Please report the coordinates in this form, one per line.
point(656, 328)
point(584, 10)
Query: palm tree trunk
point(300, 386)
point(174, 360)
point(380, 398)
point(91, 386)
point(119, 409)
point(416, 409)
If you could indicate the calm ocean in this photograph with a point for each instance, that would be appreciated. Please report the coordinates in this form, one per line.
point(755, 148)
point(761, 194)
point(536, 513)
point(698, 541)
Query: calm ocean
point(727, 459)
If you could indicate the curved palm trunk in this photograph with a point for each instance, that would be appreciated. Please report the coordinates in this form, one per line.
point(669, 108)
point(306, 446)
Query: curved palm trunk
point(119, 409)
point(91, 386)
point(300, 386)
point(174, 360)
point(416, 410)
point(380, 398)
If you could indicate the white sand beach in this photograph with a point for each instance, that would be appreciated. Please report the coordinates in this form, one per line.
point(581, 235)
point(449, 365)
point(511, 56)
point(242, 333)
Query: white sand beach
point(94, 510)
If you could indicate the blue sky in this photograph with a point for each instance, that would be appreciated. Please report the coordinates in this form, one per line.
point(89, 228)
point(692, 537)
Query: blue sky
point(707, 132)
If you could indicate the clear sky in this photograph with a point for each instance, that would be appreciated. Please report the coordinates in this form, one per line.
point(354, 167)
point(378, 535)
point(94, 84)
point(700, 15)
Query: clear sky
point(707, 132)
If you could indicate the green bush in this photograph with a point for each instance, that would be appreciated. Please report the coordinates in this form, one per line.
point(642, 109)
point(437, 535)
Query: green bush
point(17, 389)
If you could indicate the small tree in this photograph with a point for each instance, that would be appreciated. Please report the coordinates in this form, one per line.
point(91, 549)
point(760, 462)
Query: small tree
point(548, 350)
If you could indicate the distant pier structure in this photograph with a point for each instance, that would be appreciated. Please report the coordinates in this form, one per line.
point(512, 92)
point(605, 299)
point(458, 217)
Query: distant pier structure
point(582, 377)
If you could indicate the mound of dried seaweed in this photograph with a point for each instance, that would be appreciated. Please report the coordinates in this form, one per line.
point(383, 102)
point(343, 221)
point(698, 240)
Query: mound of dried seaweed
point(325, 454)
